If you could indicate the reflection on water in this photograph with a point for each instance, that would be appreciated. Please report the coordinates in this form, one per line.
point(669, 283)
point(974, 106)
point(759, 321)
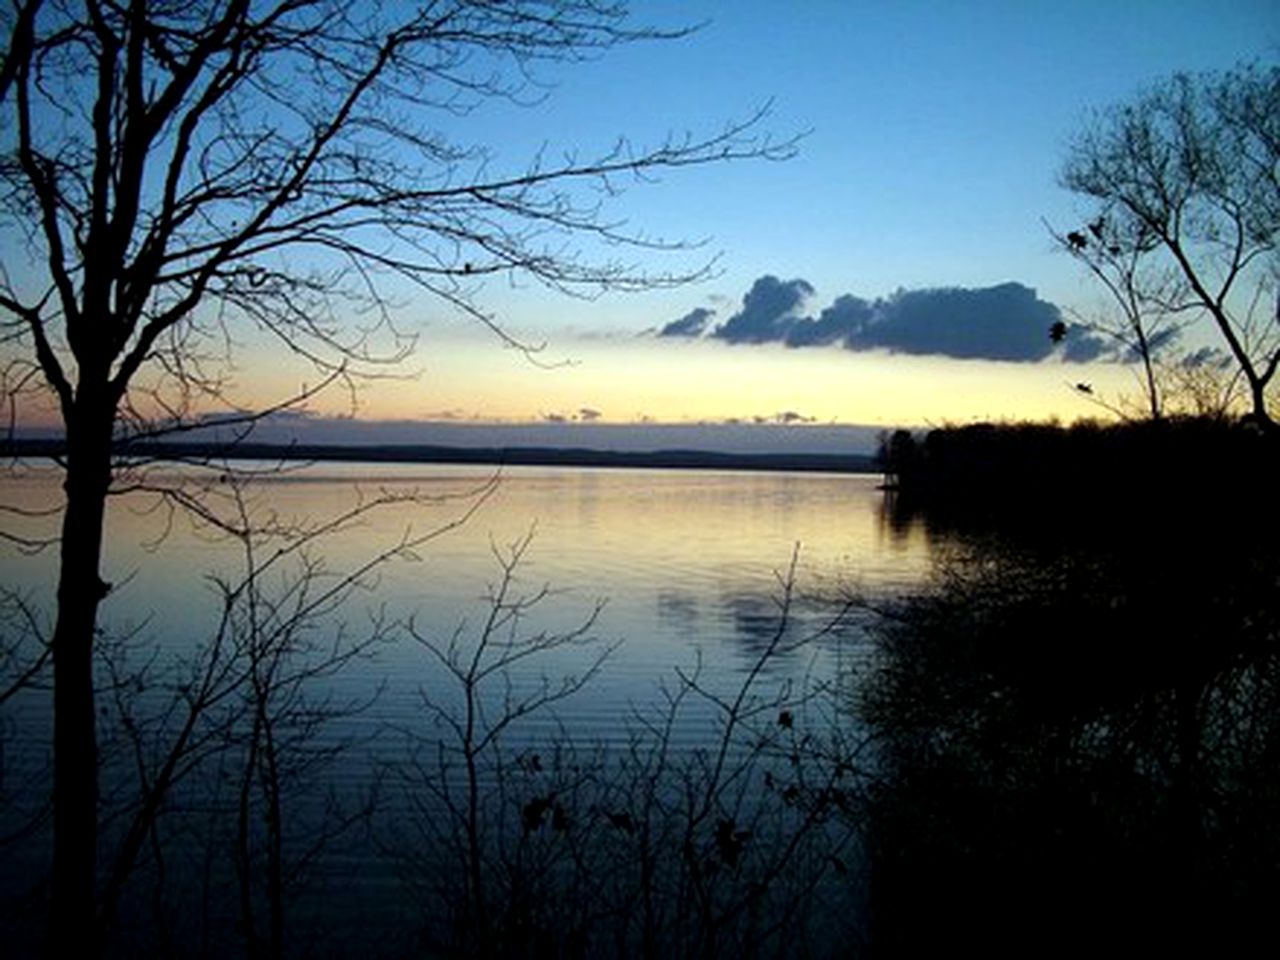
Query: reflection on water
point(1078, 726)
point(683, 559)
point(691, 568)
point(1058, 732)
point(687, 563)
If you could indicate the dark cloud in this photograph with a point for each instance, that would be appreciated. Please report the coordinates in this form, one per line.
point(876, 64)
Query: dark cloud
point(1004, 322)
point(1082, 345)
point(1210, 357)
point(790, 416)
point(582, 415)
point(1157, 343)
point(844, 319)
point(782, 418)
point(1163, 339)
point(692, 324)
point(769, 311)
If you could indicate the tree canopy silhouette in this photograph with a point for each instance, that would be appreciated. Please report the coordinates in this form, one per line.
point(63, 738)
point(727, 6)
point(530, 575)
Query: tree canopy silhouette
point(1184, 187)
point(176, 172)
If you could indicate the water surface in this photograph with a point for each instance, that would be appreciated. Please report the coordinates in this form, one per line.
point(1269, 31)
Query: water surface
point(687, 564)
point(730, 581)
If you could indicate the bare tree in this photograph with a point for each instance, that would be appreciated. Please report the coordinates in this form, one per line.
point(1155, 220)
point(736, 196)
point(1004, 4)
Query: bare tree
point(1184, 183)
point(173, 171)
point(657, 844)
point(467, 773)
point(1137, 326)
point(256, 696)
point(1140, 326)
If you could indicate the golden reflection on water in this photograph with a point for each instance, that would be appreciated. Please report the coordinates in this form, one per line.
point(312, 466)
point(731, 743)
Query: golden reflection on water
point(679, 556)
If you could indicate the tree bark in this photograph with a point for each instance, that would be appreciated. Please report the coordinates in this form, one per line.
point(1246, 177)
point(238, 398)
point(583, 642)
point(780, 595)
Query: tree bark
point(73, 926)
point(1258, 397)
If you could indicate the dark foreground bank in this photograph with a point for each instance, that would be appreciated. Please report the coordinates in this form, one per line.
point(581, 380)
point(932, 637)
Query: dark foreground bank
point(1078, 725)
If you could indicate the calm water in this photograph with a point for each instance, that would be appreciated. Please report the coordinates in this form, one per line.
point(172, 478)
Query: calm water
point(686, 564)
point(789, 819)
point(683, 571)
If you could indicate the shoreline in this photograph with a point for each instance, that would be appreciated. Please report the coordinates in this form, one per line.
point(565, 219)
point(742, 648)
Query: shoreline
point(490, 456)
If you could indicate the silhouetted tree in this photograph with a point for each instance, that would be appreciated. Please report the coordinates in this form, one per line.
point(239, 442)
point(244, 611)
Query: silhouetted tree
point(732, 843)
point(1184, 182)
point(1142, 325)
point(897, 455)
point(173, 171)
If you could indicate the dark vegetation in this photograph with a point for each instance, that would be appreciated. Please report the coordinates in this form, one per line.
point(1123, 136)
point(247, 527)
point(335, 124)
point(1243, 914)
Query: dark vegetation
point(1075, 730)
point(1080, 722)
point(1111, 485)
point(1181, 207)
point(259, 814)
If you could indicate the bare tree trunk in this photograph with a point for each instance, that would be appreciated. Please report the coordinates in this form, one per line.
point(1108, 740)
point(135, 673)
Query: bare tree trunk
point(275, 840)
point(1258, 398)
point(72, 924)
point(1149, 372)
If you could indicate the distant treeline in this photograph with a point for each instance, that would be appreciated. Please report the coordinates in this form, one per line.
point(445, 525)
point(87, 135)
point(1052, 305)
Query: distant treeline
point(489, 456)
point(1168, 471)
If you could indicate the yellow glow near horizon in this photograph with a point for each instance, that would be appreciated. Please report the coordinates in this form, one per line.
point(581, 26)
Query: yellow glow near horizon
point(635, 380)
point(631, 379)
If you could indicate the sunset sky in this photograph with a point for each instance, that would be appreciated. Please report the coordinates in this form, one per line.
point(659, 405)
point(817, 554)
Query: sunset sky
point(933, 133)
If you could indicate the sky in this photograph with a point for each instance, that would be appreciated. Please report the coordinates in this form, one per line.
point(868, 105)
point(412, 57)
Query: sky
point(931, 137)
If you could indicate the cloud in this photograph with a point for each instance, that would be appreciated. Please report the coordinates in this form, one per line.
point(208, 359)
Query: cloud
point(1210, 357)
point(1082, 345)
point(1157, 343)
point(444, 415)
point(1003, 322)
point(847, 317)
point(769, 311)
point(581, 415)
point(783, 418)
point(692, 324)
point(790, 416)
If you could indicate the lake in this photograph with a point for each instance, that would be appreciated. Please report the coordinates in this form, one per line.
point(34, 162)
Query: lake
point(684, 562)
point(646, 583)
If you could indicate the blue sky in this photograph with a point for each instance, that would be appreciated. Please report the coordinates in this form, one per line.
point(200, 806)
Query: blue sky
point(933, 136)
point(935, 129)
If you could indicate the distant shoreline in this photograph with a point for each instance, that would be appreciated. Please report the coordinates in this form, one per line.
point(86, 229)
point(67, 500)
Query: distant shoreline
point(488, 456)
